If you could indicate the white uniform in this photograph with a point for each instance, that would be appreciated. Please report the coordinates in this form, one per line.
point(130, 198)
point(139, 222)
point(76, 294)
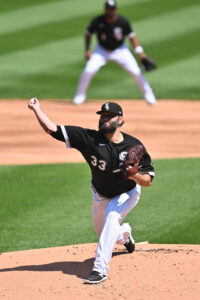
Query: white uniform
point(107, 216)
point(123, 57)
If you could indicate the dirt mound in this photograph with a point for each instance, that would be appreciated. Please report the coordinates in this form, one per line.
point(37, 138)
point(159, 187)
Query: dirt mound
point(151, 272)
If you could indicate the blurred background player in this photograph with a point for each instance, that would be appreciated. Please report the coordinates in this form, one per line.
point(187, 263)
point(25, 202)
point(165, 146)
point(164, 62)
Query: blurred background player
point(111, 30)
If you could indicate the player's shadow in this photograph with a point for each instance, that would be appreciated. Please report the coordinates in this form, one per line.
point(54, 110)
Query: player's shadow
point(77, 268)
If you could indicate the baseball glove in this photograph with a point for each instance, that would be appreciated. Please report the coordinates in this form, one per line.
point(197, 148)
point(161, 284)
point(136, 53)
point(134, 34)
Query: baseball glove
point(132, 160)
point(147, 64)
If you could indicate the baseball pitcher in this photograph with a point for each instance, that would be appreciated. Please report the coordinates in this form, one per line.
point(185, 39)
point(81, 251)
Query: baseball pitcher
point(119, 165)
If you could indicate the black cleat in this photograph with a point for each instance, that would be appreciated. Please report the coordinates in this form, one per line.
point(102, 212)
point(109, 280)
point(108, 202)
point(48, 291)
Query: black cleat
point(95, 277)
point(130, 245)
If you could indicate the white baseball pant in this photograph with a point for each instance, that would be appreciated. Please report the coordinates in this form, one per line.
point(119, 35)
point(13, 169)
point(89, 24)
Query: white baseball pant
point(123, 57)
point(108, 213)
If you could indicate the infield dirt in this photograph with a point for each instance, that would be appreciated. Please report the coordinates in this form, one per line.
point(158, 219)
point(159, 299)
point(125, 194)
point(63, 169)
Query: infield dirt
point(169, 130)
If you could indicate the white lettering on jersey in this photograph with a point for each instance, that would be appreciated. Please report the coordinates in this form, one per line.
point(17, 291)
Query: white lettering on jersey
point(122, 155)
point(101, 164)
point(93, 160)
point(118, 33)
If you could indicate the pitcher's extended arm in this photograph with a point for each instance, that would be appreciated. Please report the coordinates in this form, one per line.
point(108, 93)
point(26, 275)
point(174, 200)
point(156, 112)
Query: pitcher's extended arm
point(44, 121)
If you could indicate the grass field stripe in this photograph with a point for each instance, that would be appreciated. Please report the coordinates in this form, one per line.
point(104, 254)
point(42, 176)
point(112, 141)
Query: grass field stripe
point(12, 5)
point(45, 56)
point(18, 67)
point(164, 78)
point(41, 35)
point(187, 70)
point(156, 78)
point(47, 59)
point(42, 58)
point(50, 12)
point(175, 48)
point(147, 30)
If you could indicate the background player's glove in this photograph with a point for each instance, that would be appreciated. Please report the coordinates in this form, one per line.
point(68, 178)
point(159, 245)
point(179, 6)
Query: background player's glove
point(132, 160)
point(147, 64)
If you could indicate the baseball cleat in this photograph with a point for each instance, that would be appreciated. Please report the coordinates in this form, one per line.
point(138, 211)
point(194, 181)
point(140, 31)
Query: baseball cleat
point(95, 277)
point(152, 103)
point(150, 99)
point(79, 99)
point(130, 245)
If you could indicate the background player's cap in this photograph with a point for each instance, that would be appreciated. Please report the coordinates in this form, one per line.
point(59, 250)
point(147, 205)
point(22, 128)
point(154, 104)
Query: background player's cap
point(111, 107)
point(111, 3)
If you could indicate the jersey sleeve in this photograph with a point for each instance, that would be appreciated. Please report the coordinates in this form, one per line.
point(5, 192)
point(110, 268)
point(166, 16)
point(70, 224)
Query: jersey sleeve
point(58, 135)
point(92, 27)
point(128, 31)
point(61, 135)
point(73, 136)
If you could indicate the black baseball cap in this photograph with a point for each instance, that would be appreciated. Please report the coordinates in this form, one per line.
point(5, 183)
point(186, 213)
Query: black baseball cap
point(111, 3)
point(111, 107)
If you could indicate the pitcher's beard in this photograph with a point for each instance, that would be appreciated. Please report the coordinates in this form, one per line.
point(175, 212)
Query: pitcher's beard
point(108, 129)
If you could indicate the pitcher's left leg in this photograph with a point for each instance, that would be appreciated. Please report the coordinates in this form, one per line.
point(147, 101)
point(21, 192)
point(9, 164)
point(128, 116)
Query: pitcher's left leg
point(116, 211)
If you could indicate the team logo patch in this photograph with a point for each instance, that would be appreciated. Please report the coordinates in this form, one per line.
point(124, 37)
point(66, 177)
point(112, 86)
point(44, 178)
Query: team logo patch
point(122, 155)
point(118, 33)
point(107, 106)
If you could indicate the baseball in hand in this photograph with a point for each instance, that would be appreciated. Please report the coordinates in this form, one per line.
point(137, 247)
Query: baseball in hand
point(32, 100)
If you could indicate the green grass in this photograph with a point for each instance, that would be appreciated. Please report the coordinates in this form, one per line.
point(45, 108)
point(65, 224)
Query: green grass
point(50, 205)
point(42, 207)
point(43, 54)
point(169, 210)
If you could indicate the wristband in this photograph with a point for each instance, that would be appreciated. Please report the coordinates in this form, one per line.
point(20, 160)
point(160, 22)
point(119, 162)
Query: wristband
point(138, 49)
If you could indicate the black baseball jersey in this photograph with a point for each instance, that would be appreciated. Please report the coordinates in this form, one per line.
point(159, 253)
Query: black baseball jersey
point(105, 158)
point(110, 35)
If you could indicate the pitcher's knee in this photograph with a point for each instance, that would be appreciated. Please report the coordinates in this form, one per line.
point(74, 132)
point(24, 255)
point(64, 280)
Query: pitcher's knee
point(113, 215)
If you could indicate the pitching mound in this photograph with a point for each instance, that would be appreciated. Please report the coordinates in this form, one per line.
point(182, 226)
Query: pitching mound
point(151, 272)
